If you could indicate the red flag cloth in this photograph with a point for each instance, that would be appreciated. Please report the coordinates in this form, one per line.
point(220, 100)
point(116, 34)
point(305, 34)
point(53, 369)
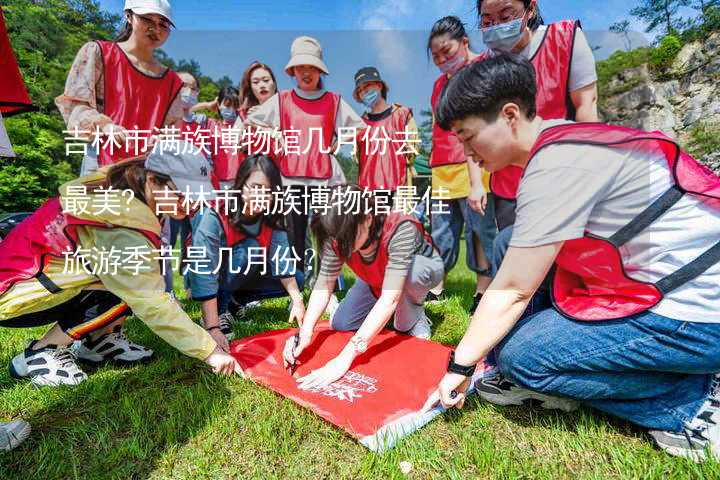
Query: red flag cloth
point(13, 95)
point(378, 401)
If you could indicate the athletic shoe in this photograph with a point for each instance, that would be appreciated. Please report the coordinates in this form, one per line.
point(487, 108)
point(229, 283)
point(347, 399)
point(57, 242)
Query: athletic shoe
point(700, 437)
point(114, 346)
point(13, 434)
point(421, 328)
point(225, 322)
point(435, 297)
point(476, 302)
point(499, 390)
point(48, 366)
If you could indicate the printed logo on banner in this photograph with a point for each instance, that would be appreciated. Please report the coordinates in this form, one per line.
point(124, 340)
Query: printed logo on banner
point(351, 386)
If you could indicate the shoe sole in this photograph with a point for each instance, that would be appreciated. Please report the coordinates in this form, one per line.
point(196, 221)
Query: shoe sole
point(694, 455)
point(14, 373)
point(545, 402)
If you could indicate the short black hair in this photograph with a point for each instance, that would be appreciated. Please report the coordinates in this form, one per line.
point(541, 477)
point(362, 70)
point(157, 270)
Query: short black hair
point(484, 87)
point(229, 93)
point(450, 25)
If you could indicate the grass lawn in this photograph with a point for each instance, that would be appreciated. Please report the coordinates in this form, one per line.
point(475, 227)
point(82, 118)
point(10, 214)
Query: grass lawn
point(171, 418)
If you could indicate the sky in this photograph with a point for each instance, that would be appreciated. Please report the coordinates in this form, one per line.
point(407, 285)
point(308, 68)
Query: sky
point(224, 36)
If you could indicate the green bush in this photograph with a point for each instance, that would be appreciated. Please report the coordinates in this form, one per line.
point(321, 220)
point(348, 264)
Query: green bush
point(704, 139)
point(616, 63)
point(663, 56)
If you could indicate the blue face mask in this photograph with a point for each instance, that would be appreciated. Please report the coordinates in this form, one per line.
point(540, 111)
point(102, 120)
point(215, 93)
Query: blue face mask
point(188, 99)
point(504, 37)
point(228, 114)
point(370, 98)
point(453, 65)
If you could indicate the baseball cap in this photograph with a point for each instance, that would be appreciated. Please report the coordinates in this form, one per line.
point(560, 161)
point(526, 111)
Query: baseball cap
point(185, 164)
point(144, 7)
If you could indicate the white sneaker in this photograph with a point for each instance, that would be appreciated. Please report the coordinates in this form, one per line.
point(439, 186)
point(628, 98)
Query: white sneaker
point(13, 434)
point(49, 366)
point(422, 328)
point(113, 346)
point(225, 322)
point(499, 390)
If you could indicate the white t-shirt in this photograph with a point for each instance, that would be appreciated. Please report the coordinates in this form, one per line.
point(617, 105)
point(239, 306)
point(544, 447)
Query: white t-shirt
point(567, 190)
point(5, 146)
point(582, 65)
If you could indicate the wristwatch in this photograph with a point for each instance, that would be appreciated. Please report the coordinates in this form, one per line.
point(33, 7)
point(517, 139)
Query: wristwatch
point(459, 369)
point(359, 344)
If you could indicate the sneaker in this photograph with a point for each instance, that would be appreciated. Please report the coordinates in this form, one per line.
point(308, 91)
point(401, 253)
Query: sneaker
point(499, 390)
point(13, 434)
point(476, 302)
point(239, 310)
point(333, 305)
point(114, 346)
point(435, 297)
point(225, 322)
point(422, 328)
point(700, 437)
point(48, 366)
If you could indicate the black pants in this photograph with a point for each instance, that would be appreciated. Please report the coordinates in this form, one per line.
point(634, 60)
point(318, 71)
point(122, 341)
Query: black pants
point(79, 316)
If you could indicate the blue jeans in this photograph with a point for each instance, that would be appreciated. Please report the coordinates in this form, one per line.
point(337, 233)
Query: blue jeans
point(447, 229)
point(651, 370)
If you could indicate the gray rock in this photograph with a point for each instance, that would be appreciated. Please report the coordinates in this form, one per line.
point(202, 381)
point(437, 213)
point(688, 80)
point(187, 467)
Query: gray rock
point(712, 160)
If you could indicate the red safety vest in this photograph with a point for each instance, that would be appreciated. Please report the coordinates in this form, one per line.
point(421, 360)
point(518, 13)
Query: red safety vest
point(13, 95)
point(47, 233)
point(255, 143)
point(234, 235)
point(590, 281)
point(446, 148)
point(386, 169)
point(133, 100)
point(225, 155)
point(299, 114)
point(552, 63)
point(373, 273)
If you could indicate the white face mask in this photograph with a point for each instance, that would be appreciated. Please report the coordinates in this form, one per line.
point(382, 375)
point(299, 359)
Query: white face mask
point(188, 98)
point(506, 36)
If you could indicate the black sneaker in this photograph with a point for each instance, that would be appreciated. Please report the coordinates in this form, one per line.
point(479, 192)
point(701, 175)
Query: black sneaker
point(700, 437)
point(225, 323)
point(499, 390)
point(476, 302)
point(48, 366)
point(434, 297)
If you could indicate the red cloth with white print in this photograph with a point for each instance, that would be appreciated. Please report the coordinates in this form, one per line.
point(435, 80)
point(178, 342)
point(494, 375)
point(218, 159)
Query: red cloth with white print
point(385, 385)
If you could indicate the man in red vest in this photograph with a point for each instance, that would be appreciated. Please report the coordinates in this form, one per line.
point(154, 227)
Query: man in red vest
point(630, 223)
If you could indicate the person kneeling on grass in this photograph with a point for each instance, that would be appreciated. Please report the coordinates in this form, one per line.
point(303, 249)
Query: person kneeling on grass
point(631, 224)
point(395, 263)
point(260, 260)
point(88, 297)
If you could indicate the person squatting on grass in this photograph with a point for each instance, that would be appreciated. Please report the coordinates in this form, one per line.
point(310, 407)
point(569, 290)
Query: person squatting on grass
point(449, 46)
point(245, 225)
point(117, 86)
point(396, 265)
point(88, 302)
point(633, 237)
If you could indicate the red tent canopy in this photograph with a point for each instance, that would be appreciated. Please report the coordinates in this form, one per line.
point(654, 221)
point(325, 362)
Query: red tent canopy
point(13, 95)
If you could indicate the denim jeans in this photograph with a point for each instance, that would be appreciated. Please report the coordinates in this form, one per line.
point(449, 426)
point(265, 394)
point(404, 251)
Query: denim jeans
point(648, 369)
point(447, 228)
point(425, 274)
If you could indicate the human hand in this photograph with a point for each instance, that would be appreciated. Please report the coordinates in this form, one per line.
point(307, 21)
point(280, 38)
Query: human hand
point(222, 363)
point(291, 351)
point(477, 200)
point(449, 393)
point(220, 339)
point(331, 372)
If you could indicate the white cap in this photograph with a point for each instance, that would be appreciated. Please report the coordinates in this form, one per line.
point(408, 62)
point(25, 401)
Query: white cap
point(184, 163)
point(306, 51)
point(143, 7)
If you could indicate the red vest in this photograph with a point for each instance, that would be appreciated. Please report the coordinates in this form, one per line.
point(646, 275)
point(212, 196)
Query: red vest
point(234, 235)
point(590, 281)
point(386, 169)
point(48, 232)
point(446, 148)
point(225, 154)
point(133, 100)
point(13, 95)
point(373, 273)
point(552, 64)
point(297, 113)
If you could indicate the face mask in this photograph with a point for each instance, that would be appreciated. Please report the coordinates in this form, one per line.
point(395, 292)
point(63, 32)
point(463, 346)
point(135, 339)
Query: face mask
point(228, 114)
point(504, 37)
point(188, 98)
point(370, 99)
point(453, 65)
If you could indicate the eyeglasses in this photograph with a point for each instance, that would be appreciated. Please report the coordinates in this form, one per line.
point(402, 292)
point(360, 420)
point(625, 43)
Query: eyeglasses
point(163, 25)
point(505, 16)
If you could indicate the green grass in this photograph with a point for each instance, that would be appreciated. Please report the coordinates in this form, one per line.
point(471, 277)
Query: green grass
point(171, 418)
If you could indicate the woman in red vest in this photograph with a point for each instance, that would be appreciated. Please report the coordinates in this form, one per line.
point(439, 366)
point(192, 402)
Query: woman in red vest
point(87, 297)
point(385, 149)
point(630, 224)
point(395, 263)
point(566, 76)
point(243, 253)
point(118, 92)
